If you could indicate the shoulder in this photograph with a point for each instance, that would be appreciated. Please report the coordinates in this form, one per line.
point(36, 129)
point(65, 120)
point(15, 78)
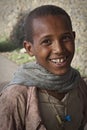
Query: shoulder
point(14, 90)
point(82, 90)
point(83, 86)
point(83, 93)
point(16, 93)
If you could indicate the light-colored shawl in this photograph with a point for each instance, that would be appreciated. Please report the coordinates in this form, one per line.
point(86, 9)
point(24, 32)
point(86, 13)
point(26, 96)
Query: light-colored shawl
point(33, 74)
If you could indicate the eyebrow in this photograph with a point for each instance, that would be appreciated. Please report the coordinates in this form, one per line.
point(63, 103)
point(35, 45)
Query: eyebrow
point(66, 33)
point(46, 36)
point(50, 36)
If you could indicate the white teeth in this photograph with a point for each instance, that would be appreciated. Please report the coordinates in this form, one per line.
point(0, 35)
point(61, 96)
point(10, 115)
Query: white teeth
point(59, 60)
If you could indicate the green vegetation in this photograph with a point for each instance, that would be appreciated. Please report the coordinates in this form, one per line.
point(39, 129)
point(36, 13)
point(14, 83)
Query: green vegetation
point(12, 52)
point(20, 58)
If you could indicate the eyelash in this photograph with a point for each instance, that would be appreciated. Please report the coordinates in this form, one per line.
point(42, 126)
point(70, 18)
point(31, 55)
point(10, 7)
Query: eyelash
point(66, 38)
point(47, 42)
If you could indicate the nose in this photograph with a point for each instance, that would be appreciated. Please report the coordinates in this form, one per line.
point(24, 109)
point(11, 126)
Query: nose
point(58, 47)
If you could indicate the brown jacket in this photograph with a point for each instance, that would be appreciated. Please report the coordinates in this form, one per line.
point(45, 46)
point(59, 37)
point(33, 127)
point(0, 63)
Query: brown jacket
point(19, 108)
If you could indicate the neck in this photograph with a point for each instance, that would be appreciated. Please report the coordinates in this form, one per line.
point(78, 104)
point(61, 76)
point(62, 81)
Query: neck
point(57, 95)
point(53, 93)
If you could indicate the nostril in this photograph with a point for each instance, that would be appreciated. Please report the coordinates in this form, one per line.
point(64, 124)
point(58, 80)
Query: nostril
point(58, 49)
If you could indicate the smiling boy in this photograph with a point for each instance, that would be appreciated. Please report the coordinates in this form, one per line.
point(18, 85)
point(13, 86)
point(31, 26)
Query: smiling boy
point(47, 94)
point(53, 43)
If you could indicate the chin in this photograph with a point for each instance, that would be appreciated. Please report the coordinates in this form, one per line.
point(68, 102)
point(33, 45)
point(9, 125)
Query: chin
point(61, 72)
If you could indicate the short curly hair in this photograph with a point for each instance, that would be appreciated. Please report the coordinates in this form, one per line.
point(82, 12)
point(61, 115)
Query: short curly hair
point(39, 12)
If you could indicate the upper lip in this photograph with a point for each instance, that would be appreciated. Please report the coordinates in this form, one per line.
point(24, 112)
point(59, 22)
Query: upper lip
point(60, 57)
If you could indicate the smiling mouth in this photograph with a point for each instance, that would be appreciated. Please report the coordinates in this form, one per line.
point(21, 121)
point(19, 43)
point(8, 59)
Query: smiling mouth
point(59, 60)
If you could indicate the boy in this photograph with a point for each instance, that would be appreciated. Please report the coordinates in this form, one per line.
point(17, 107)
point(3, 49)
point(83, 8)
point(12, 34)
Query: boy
point(47, 94)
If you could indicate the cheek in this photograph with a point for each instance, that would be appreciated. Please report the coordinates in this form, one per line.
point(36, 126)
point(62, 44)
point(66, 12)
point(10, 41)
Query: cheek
point(41, 53)
point(44, 50)
point(71, 47)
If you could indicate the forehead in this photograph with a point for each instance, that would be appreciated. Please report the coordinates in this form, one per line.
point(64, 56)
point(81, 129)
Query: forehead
point(51, 22)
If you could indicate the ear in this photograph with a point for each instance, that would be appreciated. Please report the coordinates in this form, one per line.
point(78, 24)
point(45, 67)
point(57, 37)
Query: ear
point(74, 34)
point(29, 47)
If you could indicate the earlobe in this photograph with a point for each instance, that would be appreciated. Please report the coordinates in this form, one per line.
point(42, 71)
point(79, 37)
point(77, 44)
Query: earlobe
point(29, 47)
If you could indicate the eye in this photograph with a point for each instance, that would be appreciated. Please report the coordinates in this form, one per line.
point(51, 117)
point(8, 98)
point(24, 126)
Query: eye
point(66, 38)
point(47, 42)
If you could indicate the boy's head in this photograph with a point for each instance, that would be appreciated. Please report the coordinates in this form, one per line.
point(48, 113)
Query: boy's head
point(42, 11)
point(49, 37)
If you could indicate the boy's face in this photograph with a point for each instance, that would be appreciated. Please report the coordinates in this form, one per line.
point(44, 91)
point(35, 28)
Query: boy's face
point(53, 43)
